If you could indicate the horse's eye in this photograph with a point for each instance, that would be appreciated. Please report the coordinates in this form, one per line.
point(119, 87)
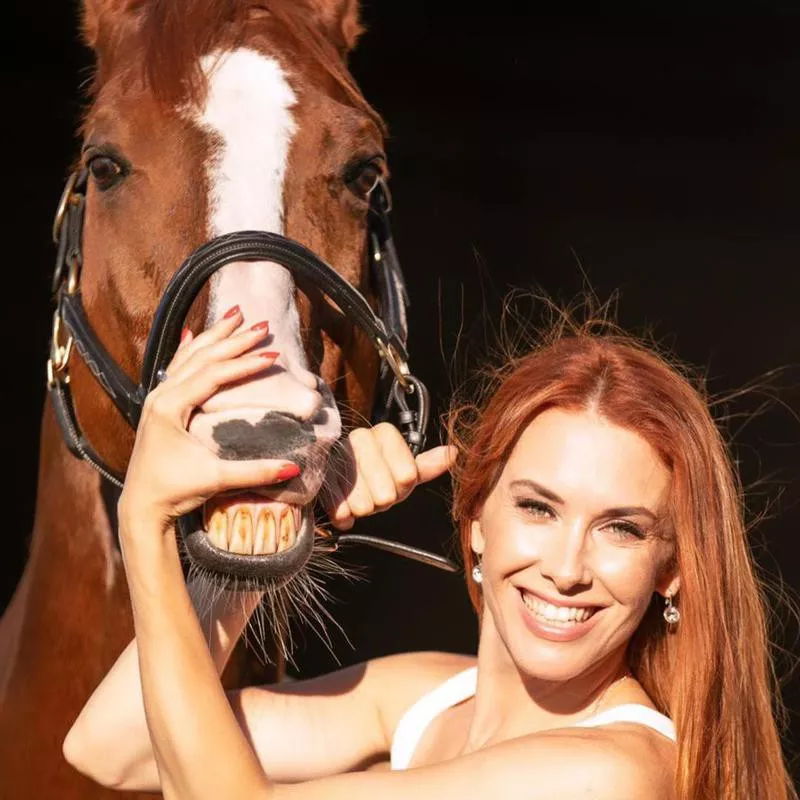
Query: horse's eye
point(105, 171)
point(362, 177)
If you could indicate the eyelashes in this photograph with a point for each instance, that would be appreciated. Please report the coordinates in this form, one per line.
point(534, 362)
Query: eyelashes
point(538, 510)
point(627, 529)
point(535, 507)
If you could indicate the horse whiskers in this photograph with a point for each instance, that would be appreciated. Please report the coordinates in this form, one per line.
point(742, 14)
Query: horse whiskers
point(285, 608)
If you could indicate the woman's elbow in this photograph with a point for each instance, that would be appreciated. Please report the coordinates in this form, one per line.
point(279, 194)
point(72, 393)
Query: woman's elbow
point(91, 762)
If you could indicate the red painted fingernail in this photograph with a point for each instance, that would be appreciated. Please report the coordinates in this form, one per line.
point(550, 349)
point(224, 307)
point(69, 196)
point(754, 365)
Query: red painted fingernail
point(291, 470)
point(185, 335)
point(261, 326)
point(231, 312)
point(271, 354)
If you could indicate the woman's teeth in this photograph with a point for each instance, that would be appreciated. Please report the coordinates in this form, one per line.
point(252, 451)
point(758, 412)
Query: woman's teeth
point(560, 616)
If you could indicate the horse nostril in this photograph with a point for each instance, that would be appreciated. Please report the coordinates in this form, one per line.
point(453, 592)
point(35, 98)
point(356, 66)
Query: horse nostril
point(275, 435)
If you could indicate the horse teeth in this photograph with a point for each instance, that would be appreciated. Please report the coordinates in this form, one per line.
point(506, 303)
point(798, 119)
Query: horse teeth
point(286, 536)
point(242, 536)
point(265, 541)
point(218, 529)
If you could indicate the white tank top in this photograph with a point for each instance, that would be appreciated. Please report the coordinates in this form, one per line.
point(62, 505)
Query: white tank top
point(462, 685)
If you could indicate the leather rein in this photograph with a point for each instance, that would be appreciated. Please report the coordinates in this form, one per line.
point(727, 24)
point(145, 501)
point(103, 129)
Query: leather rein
point(399, 390)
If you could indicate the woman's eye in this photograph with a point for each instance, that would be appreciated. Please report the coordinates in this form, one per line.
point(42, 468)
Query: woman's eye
point(535, 509)
point(105, 171)
point(361, 178)
point(625, 530)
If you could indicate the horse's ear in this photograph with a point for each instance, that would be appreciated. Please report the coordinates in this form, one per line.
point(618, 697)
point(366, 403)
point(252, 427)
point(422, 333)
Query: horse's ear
point(101, 17)
point(340, 19)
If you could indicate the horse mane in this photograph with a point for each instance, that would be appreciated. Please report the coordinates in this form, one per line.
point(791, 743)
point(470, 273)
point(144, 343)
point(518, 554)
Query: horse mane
point(171, 38)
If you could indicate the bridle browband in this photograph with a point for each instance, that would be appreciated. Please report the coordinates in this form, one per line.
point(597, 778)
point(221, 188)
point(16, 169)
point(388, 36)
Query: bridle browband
point(71, 328)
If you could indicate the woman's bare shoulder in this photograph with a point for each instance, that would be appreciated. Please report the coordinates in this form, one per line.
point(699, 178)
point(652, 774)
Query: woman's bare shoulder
point(634, 754)
point(399, 680)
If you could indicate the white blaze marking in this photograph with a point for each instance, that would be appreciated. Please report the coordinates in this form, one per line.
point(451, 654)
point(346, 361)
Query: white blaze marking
point(248, 109)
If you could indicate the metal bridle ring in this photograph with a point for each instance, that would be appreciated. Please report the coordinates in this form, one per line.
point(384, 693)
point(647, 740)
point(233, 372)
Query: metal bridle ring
point(66, 197)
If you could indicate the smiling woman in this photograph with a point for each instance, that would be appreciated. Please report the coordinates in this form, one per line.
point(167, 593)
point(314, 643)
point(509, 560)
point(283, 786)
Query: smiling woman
point(600, 519)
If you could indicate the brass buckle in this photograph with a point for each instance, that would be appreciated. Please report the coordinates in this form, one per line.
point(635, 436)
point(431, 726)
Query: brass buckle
point(74, 273)
point(59, 353)
point(66, 197)
point(397, 364)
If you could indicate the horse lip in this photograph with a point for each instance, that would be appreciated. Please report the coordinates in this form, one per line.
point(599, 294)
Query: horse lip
point(256, 571)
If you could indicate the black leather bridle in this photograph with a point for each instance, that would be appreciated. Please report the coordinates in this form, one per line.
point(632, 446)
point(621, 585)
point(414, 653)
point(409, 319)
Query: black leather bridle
point(399, 389)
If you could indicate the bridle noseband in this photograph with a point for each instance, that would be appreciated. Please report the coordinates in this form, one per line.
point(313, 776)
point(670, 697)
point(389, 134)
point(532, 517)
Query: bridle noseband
point(400, 391)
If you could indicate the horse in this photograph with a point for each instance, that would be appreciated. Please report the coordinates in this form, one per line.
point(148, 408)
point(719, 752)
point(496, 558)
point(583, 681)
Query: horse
point(206, 118)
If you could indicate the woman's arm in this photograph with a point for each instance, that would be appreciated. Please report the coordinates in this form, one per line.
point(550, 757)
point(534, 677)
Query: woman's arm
point(344, 719)
point(198, 746)
point(109, 740)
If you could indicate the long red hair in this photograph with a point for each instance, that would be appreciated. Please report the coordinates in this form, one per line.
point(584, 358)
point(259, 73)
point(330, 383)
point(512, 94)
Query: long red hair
point(714, 677)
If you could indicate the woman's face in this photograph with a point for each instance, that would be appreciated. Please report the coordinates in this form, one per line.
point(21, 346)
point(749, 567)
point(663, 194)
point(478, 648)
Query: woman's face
point(570, 543)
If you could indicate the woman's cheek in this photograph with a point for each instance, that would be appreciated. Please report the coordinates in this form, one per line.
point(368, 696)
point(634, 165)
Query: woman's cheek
point(628, 574)
point(515, 547)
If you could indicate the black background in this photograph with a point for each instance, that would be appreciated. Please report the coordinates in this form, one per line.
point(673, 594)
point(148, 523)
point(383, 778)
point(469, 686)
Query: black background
point(655, 150)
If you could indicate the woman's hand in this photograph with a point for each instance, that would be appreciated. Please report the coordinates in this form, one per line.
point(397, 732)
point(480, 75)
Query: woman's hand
point(374, 469)
point(171, 473)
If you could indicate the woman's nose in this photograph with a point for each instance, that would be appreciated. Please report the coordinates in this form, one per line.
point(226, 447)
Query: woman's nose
point(564, 560)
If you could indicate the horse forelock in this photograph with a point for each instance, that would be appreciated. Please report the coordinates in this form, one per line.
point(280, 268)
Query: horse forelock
point(162, 45)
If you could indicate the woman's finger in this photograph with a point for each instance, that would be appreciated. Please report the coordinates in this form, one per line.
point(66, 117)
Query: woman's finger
point(377, 476)
point(357, 491)
point(398, 457)
point(177, 399)
point(230, 347)
point(253, 473)
point(335, 504)
point(435, 462)
point(186, 339)
point(222, 329)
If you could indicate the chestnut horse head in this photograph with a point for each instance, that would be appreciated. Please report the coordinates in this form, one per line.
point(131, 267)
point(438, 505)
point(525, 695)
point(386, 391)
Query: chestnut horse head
point(207, 118)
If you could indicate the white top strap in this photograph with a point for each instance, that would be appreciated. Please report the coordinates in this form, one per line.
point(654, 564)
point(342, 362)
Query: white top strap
point(413, 723)
point(632, 712)
point(462, 685)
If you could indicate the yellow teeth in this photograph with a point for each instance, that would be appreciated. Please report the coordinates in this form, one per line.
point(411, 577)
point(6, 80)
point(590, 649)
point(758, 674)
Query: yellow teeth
point(252, 529)
point(266, 535)
point(218, 530)
point(286, 535)
point(242, 536)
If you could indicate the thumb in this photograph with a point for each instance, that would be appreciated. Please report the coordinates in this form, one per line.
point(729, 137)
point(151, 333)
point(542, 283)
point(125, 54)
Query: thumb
point(434, 462)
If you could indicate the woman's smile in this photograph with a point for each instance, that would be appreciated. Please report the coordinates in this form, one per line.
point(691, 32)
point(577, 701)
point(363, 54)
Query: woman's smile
point(556, 623)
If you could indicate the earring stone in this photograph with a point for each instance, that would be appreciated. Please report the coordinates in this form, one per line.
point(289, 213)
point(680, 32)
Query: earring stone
point(671, 614)
point(477, 574)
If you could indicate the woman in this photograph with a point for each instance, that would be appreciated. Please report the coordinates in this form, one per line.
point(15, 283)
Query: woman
point(623, 650)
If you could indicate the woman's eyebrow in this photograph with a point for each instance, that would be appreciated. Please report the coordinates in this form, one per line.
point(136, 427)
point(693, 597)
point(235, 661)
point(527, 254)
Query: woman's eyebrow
point(526, 483)
point(630, 511)
point(620, 511)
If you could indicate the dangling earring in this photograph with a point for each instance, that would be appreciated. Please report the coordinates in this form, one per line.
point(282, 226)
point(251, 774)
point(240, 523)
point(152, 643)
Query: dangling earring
point(671, 614)
point(477, 573)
